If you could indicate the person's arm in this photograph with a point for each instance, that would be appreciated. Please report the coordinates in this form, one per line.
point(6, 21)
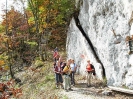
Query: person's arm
point(54, 55)
point(56, 70)
point(75, 67)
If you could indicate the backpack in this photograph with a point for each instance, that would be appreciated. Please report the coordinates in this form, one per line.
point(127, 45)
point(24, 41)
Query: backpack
point(94, 73)
point(67, 70)
point(92, 66)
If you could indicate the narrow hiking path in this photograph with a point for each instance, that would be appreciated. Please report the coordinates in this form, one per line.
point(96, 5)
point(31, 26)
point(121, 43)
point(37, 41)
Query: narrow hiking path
point(98, 90)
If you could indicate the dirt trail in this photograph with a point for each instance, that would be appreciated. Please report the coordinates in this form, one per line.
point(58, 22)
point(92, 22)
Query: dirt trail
point(96, 91)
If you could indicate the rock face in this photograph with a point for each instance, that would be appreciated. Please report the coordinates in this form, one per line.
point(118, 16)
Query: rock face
point(106, 23)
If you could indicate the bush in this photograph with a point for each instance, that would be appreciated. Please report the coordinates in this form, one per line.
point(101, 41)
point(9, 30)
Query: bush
point(38, 63)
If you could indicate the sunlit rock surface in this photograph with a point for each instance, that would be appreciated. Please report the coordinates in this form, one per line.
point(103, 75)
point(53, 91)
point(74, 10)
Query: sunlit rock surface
point(107, 23)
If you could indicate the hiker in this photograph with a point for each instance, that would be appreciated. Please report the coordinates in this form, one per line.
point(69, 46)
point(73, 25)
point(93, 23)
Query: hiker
point(67, 79)
point(73, 70)
point(58, 75)
point(89, 71)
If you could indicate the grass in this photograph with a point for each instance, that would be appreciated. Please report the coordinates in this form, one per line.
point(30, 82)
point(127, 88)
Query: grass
point(64, 97)
point(104, 81)
point(125, 87)
point(41, 85)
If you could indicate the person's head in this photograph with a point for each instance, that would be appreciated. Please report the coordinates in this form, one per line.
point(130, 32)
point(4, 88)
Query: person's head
point(88, 61)
point(72, 60)
point(56, 49)
point(69, 62)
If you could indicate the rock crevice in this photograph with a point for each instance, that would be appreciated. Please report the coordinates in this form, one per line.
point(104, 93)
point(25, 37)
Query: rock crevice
point(88, 40)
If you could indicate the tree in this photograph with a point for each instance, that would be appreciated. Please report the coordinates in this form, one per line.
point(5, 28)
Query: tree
point(43, 24)
point(17, 29)
point(51, 15)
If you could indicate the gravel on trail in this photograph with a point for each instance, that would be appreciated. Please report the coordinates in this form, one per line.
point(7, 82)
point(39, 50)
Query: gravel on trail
point(97, 90)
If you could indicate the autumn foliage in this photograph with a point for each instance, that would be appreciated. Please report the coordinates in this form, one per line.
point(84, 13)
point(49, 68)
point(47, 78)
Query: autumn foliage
point(31, 34)
point(7, 90)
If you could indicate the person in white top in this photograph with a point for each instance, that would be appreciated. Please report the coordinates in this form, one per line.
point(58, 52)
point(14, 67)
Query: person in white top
point(73, 70)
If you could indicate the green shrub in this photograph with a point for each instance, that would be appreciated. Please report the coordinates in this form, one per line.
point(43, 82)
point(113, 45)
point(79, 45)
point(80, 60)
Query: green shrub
point(38, 63)
point(49, 78)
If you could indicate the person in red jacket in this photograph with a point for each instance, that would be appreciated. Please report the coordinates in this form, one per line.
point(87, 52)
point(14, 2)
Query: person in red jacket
point(89, 71)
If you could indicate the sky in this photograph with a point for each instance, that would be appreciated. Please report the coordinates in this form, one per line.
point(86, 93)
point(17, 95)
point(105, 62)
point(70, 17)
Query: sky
point(3, 6)
point(10, 3)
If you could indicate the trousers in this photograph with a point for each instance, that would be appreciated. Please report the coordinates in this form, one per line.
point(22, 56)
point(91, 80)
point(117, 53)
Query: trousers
point(88, 78)
point(67, 82)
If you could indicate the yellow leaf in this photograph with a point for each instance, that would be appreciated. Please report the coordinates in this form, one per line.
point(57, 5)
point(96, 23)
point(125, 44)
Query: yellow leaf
point(2, 62)
point(6, 67)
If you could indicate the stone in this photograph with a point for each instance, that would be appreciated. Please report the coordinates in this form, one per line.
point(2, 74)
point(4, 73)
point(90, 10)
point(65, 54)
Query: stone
point(107, 92)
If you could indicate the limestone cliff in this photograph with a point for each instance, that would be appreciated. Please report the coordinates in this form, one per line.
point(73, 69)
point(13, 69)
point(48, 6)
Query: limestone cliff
point(106, 24)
